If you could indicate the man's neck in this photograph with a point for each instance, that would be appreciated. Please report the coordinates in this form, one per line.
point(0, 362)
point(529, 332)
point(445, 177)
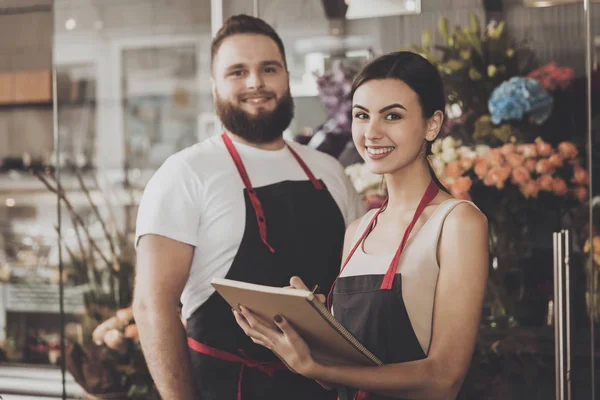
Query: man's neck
point(276, 144)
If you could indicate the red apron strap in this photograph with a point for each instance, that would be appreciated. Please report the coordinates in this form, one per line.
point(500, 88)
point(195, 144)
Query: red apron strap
point(258, 210)
point(307, 170)
point(358, 243)
point(268, 368)
point(430, 193)
point(256, 204)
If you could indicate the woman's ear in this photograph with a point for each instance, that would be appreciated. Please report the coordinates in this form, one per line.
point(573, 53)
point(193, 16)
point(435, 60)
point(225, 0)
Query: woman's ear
point(434, 125)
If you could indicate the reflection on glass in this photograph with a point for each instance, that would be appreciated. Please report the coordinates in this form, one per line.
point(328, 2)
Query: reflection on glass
point(162, 106)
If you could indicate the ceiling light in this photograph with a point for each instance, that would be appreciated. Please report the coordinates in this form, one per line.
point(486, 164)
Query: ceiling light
point(70, 24)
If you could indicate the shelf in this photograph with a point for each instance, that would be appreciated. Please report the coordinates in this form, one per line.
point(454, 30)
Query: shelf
point(13, 106)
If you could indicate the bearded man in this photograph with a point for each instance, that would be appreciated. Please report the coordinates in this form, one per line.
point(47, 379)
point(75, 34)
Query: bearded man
point(245, 205)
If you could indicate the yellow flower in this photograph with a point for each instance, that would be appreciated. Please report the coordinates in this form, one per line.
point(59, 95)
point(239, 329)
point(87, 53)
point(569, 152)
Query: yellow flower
point(510, 53)
point(596, 242)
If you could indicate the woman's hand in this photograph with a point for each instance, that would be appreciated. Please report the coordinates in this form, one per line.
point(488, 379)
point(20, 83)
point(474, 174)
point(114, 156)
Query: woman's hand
point(285, 342)
point(297, 283)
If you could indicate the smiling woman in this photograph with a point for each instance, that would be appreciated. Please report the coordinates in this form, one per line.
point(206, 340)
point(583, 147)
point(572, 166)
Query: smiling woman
point(412, 284)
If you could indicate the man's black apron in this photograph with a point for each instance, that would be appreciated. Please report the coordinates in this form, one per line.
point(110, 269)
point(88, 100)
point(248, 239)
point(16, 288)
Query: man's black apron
point(372, 309)
point(292, 228)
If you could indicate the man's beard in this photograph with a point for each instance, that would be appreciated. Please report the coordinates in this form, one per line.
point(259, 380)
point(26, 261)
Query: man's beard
point(264, 127)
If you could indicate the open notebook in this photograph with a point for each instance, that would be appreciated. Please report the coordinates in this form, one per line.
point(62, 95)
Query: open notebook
point(328, 340)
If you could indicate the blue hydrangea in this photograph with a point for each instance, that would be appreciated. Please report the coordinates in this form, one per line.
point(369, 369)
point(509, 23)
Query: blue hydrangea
point(518, 97)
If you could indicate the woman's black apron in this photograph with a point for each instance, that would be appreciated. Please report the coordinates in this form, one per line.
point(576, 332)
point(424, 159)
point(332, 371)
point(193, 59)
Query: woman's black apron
point(292, 228)
point(372, 309)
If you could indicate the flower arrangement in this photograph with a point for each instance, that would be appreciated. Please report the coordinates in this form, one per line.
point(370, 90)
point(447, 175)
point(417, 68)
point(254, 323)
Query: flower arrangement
point(334, 87)
point(517, 97)
point(334, 91)
point(532, 168)
point(114, 363)
point(494, 93)
point(368, 184)
point(552, 77)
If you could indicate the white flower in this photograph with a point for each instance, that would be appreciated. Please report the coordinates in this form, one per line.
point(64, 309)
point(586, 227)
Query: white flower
point(449, 154)
point(448, 143)
point(439, 166)
point(482, 149)
point(436, 147)
point(466, 151)
point(454, 111)
point(362, 178)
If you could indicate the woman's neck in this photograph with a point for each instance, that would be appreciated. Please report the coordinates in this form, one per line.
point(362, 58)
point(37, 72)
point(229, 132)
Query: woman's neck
point(407, 185)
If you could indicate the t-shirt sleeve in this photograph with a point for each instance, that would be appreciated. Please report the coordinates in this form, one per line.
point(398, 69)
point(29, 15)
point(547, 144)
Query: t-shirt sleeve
point(170, 205)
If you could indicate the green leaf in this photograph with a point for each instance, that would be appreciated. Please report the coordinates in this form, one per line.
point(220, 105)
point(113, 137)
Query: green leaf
point(474, 24)
point(454, 65)
point(465, 54)
point(426, 39)
point(443, 29)
point(474, 74)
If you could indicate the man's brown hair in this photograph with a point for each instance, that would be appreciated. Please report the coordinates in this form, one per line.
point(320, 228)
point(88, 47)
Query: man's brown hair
point(240, 24)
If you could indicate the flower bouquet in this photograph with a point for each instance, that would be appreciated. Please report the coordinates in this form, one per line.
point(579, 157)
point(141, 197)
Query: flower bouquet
point(520, 187)
point(113, 366)
point(369, 185)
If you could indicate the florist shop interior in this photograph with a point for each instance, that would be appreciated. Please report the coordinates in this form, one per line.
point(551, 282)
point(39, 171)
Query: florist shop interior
point(132, 86)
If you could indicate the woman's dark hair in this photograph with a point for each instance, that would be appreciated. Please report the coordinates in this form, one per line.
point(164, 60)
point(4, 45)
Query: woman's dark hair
point(419, 74)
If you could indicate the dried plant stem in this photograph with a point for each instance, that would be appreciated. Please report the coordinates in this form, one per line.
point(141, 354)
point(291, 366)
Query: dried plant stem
point(79, 240)
point(60, 192)
point(111, 213)
point(97, 213)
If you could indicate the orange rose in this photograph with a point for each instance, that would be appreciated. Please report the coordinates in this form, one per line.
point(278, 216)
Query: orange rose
point(462, 184)
point(580, 175)
point(481, 167)
point(507, 149)
point(528, 150)
point(448, 182)
point(559, 186)
point(580, 193)
point(543, 148)
point(544, 167)
point(460, 188)
point(530, 164)
point(520, 175)
point(466, 163)
point(497, 176)
point(545, 183)
point(568, 150)
point(530, 189)
point(131, 331)
point(495, 157)
point(514, 159)
point(556, 160)
point(453, 169)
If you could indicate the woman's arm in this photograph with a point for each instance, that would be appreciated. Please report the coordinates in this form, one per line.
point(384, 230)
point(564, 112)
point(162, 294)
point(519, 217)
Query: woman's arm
point(463, 255)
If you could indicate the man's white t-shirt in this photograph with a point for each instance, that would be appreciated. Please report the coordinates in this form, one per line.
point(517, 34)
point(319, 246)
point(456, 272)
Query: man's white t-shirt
point(196, 197)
